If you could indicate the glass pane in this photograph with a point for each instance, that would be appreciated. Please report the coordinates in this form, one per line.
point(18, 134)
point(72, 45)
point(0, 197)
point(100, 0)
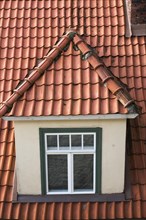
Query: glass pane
point(88, 140)
point(57, 172)
point(76, 140)
point(83, 172)
point(51, 141)
point(64, 141)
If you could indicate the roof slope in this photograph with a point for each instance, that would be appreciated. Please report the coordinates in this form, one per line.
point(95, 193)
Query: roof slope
point(28, 30)
point(72, 97)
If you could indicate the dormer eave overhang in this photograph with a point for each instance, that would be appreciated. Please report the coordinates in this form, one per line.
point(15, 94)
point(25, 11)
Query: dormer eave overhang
point(72, 117)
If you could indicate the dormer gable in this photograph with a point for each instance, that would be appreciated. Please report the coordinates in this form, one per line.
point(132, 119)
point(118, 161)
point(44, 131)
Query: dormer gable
point(114, 86)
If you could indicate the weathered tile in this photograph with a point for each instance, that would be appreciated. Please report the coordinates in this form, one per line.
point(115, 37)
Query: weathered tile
point(78, 89)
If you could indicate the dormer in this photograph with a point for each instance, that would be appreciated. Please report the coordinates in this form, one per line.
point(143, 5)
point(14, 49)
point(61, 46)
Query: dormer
point(70, 126)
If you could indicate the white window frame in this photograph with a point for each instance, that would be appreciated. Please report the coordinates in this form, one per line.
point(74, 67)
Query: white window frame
point(70, 153)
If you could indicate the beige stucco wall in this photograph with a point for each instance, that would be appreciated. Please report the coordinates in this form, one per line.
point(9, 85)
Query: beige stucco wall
point(28, 152)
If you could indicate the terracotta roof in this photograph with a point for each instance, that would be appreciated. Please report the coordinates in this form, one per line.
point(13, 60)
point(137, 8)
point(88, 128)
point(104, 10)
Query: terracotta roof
point(36, 73)
point(28, 30)
point(63, 98)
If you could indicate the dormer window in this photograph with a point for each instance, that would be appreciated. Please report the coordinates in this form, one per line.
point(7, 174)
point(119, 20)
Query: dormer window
point(135, 11)
point(73, 160)
point(70, 160)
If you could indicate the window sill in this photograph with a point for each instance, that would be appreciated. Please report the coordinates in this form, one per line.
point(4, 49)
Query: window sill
point(115, 197)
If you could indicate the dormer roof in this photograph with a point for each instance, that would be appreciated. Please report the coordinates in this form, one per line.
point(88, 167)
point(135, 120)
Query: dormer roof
point(49, 91)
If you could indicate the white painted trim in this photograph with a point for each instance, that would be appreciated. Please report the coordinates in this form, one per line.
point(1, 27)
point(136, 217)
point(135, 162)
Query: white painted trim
point(71, 117)
point(70, 164)
point(70, 173)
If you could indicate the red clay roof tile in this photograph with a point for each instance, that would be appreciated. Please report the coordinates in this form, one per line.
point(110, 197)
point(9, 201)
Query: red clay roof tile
point(103, 26)
point(92, 60)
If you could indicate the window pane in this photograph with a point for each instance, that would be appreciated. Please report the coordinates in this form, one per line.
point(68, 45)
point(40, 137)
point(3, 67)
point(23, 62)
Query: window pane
point(83, 172)
point(76, 141)
point(57, 172)
point(64, 141)
point(51, 141)
point(88, 140)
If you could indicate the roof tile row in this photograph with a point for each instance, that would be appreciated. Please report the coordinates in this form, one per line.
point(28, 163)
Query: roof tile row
point(103, 26)
point(62, 211)
point(77, 99)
